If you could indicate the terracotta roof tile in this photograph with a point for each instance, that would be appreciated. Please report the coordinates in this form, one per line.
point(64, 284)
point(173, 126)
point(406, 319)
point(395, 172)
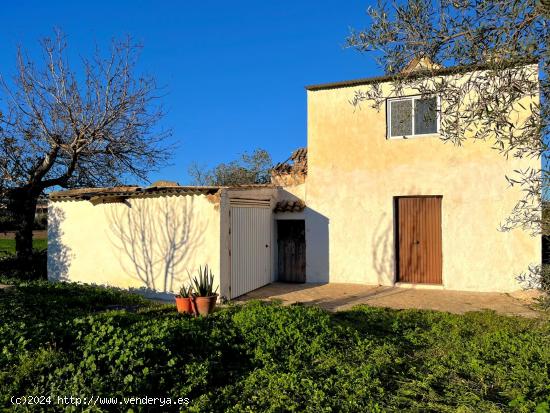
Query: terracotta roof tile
point(289, 206)
point(130, 191)
point(137, 191)
point(298, 165)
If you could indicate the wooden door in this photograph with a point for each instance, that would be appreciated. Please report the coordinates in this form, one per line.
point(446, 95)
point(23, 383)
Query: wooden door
point(419, 235)
point(291, 241)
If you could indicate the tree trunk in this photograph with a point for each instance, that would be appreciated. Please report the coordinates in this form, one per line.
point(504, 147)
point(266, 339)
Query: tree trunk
point(22, 205)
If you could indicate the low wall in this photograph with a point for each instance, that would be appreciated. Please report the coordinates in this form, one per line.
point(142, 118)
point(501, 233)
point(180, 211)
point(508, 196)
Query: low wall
point(148, 244)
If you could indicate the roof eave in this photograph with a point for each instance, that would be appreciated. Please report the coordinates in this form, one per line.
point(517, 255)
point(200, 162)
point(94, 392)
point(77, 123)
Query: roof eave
point(421, 73)
point(136, 192)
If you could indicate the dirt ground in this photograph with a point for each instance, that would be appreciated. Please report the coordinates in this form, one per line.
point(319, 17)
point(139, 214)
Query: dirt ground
point(36, 235)
point(336, 297)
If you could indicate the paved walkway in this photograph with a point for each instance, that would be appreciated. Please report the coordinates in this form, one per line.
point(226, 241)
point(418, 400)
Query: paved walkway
point(335, 297)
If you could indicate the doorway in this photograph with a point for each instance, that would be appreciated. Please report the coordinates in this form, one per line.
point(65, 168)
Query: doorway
point(291, 248)
point(250, 233)
point(419, 249)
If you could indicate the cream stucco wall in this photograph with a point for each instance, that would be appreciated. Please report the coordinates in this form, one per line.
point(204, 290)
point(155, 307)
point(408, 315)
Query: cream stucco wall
point(354, 173)
point(145, 243)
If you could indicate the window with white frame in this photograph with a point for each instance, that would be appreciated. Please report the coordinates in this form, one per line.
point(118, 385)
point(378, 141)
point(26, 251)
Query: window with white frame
point(412, 116)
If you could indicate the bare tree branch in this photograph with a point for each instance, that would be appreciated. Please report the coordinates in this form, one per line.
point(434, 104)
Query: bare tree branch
point(89, 124)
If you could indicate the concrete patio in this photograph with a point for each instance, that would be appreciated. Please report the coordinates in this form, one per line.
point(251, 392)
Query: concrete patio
point(337, 297)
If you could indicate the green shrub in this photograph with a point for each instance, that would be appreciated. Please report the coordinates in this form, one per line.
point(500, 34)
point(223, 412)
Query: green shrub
point(538, 277)
point(34, 269)
point(65, 339)
point(7, 223)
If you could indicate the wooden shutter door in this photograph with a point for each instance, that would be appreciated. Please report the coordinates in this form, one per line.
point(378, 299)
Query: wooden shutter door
point(419, 235)
point(291, 242)
point(250, 245)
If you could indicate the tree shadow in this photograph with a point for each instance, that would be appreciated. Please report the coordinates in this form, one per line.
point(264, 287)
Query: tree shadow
point(353, 298)
point(59, 254)
point(383, 251)
point(156, 238)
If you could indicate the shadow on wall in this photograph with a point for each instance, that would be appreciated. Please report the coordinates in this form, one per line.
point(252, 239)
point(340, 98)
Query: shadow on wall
point(157, 238)
point(283, 194)
point(382, 250)
point(317, 244)
point(59, 255)
point(317, 247)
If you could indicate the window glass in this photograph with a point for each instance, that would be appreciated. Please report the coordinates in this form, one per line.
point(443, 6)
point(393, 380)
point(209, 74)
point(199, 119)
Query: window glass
point(401, 118)
point(425, 116)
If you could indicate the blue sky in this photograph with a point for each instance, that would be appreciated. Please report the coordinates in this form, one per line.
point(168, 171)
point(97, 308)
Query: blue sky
point(234, 71)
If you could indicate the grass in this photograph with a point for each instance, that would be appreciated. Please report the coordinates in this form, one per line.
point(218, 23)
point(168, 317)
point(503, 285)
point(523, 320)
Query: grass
point(7, 246)
point(63, 339)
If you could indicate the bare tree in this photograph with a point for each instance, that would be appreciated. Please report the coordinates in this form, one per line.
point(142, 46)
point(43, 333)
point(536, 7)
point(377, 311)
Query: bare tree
point(70, 126)
point(502, 40)
point(249, 169)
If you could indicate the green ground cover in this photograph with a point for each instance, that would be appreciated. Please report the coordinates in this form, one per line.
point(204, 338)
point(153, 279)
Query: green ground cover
point(7, 246)
point(66, 340)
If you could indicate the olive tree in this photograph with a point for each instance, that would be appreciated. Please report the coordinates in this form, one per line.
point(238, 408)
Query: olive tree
point(500, 49)
point(251, 168)
point(65, 125)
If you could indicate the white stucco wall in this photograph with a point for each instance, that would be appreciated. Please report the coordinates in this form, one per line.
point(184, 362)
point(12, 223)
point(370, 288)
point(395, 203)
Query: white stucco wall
point(145, 243)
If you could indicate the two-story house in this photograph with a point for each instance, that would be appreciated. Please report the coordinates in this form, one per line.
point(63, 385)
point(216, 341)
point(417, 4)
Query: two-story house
point(376, 198)
point(388, 202)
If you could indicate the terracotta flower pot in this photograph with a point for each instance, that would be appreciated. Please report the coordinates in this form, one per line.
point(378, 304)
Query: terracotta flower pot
point(184, 305)
point(205, 305)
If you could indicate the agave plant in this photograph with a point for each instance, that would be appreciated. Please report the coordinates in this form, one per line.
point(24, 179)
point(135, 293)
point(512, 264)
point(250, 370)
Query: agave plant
point(186, 290)
point(203, 284)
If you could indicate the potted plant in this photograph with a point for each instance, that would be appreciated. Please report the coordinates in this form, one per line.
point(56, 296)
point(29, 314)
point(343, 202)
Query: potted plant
point(184, 301)
point(204, 297)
